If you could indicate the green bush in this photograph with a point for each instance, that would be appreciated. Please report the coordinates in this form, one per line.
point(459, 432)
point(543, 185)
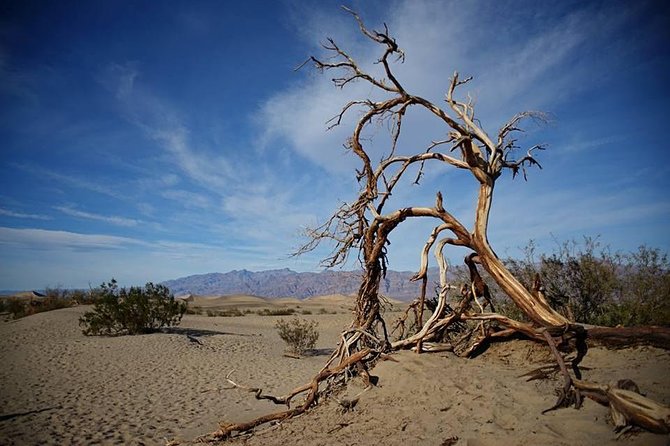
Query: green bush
point(592, 285)
point(299, 334)
point(132, 311)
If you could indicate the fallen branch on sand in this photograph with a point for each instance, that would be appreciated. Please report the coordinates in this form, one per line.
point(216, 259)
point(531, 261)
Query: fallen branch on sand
point(312, 389)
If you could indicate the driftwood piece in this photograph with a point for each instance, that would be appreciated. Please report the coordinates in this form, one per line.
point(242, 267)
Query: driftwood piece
point(628, 407)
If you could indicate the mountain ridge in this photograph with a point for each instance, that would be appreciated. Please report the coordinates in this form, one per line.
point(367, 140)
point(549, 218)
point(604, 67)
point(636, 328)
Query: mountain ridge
point(288, 283)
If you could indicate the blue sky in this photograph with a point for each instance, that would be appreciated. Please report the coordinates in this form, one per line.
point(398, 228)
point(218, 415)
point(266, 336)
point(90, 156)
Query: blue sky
point(152, 140)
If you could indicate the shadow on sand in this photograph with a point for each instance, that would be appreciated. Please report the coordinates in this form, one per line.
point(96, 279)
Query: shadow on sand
point(320, 352)
point(23, 414)
point(195, 332)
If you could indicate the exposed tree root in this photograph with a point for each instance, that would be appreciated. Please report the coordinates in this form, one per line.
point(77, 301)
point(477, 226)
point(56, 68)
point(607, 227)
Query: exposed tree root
point(228, 429)
point(567, 395)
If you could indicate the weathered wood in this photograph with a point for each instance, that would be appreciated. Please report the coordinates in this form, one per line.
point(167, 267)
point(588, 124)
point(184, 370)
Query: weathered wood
point(619, 337)
point(629, 407)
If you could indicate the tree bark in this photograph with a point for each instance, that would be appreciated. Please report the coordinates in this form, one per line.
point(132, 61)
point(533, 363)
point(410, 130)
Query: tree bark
point(534, 306)
point(621, 337)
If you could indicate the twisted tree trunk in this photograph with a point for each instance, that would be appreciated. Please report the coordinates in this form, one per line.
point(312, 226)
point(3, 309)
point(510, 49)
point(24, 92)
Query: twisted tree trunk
point(364, 225)
point(533, 305)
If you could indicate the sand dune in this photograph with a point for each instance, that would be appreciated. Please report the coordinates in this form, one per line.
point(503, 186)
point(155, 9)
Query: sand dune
point(246, 301)
point(60, 387)
point(333, 302)
point(292, 301)
point(330, 298)
point(237, 300)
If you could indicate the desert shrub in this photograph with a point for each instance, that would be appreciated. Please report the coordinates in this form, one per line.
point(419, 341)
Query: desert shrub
point(231, 312)
point(276, 312)
point(16, 307)
point(84, 297)
point(52, 303)
point(19, 308)
point(299, 334)
point(645, 290)
point(193, 310)
point(305, 312)
point(228, 312)
point(592, 285)
point(580, 280)
point(132, 311)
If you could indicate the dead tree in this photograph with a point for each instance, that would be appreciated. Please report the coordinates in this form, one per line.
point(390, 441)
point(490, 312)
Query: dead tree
point(365, 224)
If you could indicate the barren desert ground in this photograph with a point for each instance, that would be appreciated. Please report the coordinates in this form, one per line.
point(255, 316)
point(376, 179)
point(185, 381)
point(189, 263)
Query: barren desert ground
point(60, 387)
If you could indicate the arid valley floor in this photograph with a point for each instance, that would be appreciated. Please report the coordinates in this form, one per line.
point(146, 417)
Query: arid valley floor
point(60, 387)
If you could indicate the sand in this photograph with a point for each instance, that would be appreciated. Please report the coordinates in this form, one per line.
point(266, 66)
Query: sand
point(60, 387)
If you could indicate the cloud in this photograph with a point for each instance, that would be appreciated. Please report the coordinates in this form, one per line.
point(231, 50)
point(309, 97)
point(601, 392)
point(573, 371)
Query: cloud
point(580, 145)
point(269, 220)
point(259, 201)
point(34, 258)
point(43, 240)
point(70, 180)
point(515, 218)
point(188, 199)
point(115, 220)
point(14, 214)
point(520, 60)
point(161, 122)
point(51, 240)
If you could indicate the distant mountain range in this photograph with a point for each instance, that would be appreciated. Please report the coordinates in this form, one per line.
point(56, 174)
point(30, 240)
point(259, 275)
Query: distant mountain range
point(288, 283)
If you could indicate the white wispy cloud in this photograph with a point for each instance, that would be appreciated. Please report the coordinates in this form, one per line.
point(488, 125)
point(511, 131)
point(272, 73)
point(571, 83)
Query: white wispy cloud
point(162, 123)
point(43, 239)
point(55, 240)
point(257, 201)
point(517, 218)
point(111, 219)
point(34, 258)
point(575, 144)
point(188, 199)
point(10, 213)
point(70, 180)
point(514, 69)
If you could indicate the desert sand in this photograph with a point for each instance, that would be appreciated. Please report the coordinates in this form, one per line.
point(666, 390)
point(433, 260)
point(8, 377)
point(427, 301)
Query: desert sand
point(61, 387)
